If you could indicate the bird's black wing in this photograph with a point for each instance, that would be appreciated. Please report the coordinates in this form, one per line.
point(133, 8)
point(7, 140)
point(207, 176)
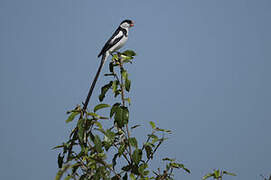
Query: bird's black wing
point(109, 43)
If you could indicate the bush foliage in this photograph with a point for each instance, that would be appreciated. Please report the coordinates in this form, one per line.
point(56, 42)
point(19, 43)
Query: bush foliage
point(103, 147)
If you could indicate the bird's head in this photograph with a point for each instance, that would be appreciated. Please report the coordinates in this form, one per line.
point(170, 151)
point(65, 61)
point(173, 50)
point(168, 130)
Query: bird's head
point(126, 24)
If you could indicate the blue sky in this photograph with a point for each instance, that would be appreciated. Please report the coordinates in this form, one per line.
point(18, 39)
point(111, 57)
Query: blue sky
point(202, 70)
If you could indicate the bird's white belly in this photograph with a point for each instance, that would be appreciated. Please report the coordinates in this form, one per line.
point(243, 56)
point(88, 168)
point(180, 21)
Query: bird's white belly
point(119, 44)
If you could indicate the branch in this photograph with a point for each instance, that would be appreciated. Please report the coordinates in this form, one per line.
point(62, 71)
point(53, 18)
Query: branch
point(123, 103)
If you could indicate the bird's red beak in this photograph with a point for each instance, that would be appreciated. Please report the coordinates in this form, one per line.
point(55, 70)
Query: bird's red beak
point(132, 24)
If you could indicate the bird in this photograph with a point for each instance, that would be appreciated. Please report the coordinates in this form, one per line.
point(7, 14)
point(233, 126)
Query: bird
point(114, 43)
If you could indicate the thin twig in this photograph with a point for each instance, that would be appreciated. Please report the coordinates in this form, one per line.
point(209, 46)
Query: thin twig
point(124, 155)
point(160, 142)
point(148, 158)
point(149, 137)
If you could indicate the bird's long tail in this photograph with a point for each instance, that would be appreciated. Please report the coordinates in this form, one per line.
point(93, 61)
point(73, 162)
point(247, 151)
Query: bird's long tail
point(104, 57)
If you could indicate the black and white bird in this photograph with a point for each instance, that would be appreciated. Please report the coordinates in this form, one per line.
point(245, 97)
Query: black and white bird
point(117, 40)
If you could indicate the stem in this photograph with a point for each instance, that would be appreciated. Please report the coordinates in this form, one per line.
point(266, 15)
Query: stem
point(149, 137)
point(148, 159)
point(123, 104)
point(124, 155)
point(160, 142)
point(122, 86)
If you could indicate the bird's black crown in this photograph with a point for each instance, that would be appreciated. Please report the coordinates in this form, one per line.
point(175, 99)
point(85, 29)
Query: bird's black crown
point(127, 21)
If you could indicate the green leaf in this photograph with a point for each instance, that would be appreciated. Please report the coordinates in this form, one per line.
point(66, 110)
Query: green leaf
point(127, 84)
point(68, 177)
point(176, 165)
point(124, 74)
point(99, 125)
point(117, 93)
point(61, 172)
point(132, 176)
point(96, 116)
point(100, 106)
point(125, 177)
point(59, 146)
point(187, 170)
point(109, 139)
point(81, 129)
point(163, 130)
point(128, 100)
point(121, 149)
point(115, 86)
point(98, 144)
point(116, 177)
point(135, 169)
point(127, 59)
point(136, 156)
point(142, 167)
point(145, 173)
point(135, 126)
point(114, 109)
point(154, 138)
point(121, 116)
point(110, 135)
point(126, 168)
point(111, 67)
point(149, 144)
point(207, 176)
point(83, 177)
point(104, 90)
point(216, 173)
point(115, 57)
point(133, 142)
point(228, 173)
point(93, 115)
point(72, 116)
point(129, 53)
point(152, 124)
point(102, 117)
point(148, 150)
point(168, 159)
point(60, 160)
